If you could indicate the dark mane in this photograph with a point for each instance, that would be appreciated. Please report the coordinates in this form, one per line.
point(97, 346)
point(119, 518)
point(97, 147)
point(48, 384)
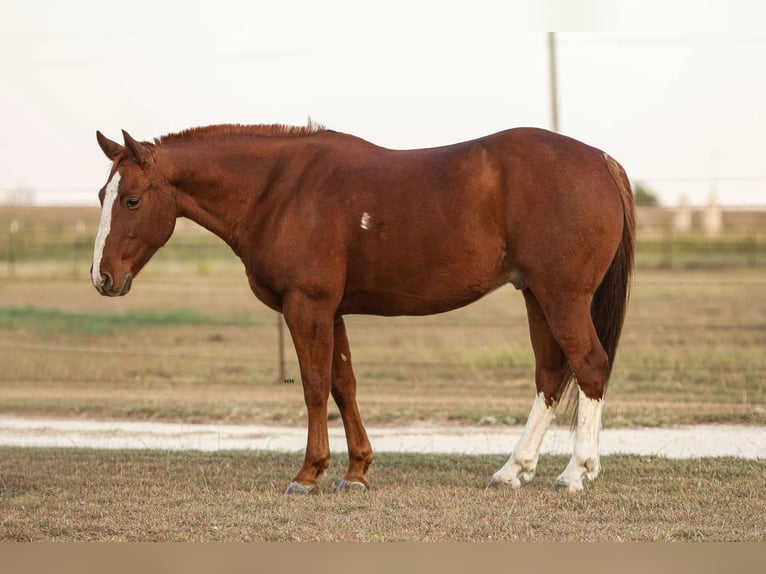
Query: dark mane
point(208, 132)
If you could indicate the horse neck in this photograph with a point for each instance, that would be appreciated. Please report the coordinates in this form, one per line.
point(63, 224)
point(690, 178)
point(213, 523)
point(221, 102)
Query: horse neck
point(214, 187)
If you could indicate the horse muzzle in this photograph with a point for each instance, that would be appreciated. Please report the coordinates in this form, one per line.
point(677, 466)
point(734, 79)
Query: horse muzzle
point(105, 285)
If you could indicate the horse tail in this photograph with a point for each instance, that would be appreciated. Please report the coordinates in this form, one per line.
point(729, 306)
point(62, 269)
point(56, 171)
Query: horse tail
point(610, 301)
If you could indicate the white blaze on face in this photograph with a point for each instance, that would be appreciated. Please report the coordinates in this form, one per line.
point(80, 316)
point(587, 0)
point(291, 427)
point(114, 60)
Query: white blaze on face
point(104, 226)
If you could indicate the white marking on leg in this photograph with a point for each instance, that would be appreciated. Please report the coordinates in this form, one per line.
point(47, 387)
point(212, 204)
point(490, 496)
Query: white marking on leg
point(365, 223)
point(522, 464)
point(585, 461)
point(343, 357)
point(104, 227)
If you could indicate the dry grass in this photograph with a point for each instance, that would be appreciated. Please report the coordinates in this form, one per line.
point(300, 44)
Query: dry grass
point(191, 343)
point(158, 496)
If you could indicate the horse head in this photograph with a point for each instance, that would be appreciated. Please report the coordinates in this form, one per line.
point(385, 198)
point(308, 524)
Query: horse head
point(138, 214)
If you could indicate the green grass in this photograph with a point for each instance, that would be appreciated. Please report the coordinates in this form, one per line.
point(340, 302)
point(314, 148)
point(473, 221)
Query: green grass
point(728, 250)
point(78, 495)
point(81, 323)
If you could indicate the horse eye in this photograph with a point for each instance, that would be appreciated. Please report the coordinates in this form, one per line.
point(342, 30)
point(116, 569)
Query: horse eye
point(132, 202)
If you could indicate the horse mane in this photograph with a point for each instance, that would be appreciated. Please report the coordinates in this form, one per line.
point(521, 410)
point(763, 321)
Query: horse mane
point(215, 131)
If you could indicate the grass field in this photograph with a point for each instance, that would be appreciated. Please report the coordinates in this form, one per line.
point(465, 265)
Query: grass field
point(195, 349)
point(159, 496)
point(191, 343)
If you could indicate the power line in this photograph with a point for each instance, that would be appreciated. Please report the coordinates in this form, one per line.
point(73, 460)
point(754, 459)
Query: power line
point(664, 40)
point(553, 81)
point(701, 179)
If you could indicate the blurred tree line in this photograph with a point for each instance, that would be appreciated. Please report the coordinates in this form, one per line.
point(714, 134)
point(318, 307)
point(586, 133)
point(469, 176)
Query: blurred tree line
point(644, 196)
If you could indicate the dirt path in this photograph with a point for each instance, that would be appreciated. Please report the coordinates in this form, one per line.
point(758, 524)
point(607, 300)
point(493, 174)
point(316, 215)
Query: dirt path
point(677, 442)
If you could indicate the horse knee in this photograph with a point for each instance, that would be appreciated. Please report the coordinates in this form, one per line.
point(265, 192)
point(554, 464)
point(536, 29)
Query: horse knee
point(316, 389)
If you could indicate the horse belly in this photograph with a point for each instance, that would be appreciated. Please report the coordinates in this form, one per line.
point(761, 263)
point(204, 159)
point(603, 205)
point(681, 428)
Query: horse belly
point(425, 282)
point(429, 237)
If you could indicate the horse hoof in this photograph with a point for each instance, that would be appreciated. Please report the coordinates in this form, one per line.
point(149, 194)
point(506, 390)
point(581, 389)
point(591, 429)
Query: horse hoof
point(496, 483)
point(298, 488)
point(562, 485)
point(351, 486)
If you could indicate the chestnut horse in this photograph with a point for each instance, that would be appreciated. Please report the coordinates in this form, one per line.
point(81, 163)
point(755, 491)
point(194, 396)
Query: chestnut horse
point(328, 224)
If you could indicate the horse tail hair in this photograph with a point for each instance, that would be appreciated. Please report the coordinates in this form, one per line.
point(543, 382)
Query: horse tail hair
point(610, 301)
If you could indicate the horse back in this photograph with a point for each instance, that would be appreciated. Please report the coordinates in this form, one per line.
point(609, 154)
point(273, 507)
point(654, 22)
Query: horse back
point(423, 231)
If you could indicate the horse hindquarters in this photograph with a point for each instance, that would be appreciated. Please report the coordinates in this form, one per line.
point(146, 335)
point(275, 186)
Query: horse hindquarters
point(607, 311)
point(575, 333)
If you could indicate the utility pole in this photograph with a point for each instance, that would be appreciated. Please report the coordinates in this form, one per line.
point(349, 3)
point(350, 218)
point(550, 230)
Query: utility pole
point(553, 80)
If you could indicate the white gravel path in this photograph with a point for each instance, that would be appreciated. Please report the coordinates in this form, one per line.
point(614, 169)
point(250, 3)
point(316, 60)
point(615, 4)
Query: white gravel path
point(677, 442)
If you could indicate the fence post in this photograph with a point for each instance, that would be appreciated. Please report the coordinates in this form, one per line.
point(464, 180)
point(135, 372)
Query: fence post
point(79, 248)
point(14, 229)
point(752, 249)
point(667, 249)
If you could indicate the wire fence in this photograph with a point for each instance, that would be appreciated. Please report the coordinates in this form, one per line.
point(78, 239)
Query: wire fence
point(681, 238)
point(667, 251)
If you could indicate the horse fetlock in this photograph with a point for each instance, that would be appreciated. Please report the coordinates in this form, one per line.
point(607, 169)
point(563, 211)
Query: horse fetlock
point(526, 462)
point(510, 475)
point(592, 468)
point(577, 469)
point(320, 468)
point(526, 477)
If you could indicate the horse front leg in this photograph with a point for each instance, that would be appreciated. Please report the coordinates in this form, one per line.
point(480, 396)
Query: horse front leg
point(311, 328)
point(344, 393)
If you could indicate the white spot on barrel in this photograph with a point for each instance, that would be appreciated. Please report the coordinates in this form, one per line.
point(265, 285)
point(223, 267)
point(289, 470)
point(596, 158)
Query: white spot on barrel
point(104, 226)
point(365, 224)
point(343, 357)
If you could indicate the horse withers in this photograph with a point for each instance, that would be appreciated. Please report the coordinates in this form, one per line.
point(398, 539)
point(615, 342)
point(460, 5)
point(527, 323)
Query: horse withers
point(328, 224)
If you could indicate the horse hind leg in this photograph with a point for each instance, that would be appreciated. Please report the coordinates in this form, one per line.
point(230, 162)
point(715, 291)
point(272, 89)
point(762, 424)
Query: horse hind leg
point(573, 328)
point(585, 461)
point(551, 376)
point(344, 394)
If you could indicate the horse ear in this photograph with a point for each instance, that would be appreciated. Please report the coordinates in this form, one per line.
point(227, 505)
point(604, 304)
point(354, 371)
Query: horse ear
point(139, 152)
point(111, 149)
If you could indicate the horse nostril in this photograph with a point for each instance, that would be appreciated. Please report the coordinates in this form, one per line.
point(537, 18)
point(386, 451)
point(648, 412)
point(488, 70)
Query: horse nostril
point(106, 282)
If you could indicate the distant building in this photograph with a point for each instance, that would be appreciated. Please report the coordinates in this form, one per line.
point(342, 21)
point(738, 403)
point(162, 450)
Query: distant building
point(17, 196)
point(712, 217)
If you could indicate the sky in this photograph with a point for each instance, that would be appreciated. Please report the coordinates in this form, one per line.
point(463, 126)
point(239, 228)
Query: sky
point(676, 91)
